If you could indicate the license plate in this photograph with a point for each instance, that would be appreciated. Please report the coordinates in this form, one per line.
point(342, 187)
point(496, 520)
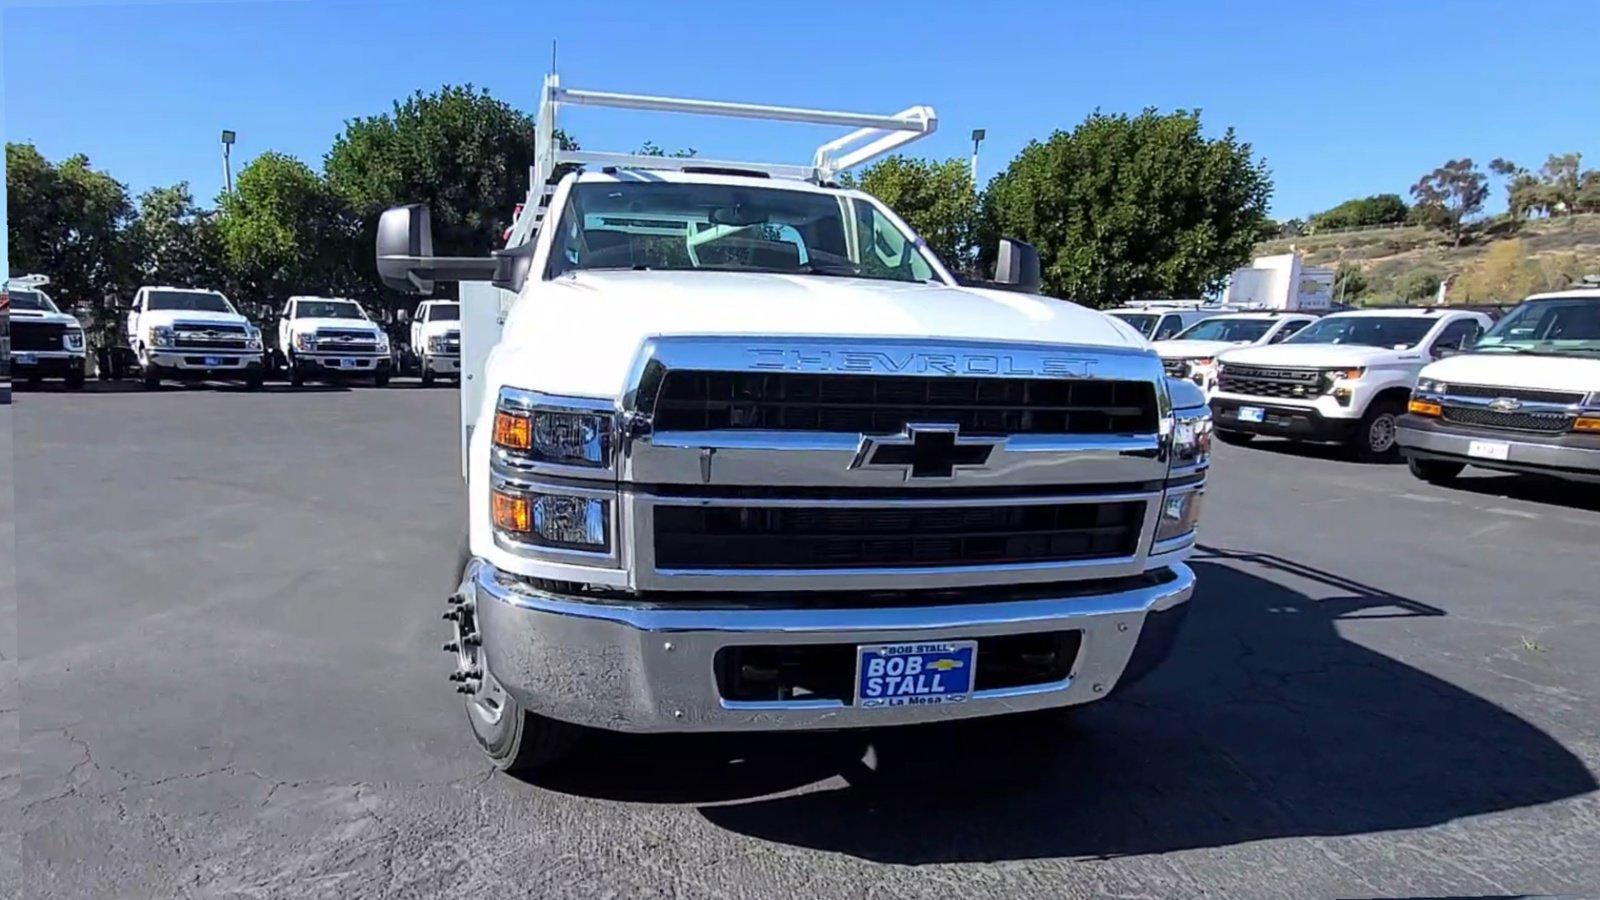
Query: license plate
point(26, 359)
point(1252, 414)
point(213, 360)
point(1489, 449)
point(346, 362)
point(914, 674)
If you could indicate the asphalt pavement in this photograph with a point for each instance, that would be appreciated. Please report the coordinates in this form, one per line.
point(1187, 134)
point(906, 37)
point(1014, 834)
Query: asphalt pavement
point(231, 686)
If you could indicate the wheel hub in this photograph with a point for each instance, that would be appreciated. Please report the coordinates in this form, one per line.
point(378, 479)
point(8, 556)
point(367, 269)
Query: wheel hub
point(486, 699)
point(1381, 436)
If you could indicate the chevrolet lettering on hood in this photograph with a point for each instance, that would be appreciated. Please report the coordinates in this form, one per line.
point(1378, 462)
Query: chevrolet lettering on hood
point(918, 362)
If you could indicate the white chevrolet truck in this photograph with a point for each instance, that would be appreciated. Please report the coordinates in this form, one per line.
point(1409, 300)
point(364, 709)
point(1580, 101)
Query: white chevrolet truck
point(331, 337)
point(1526, 399)
point(1345, 379)
point(45, 342)
point(742, 455)
point(436, 339)
point(191, 334)
point(1192, 353)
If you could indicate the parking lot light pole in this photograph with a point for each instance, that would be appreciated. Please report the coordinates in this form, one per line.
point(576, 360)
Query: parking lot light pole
point(227, 159)
point(978, 138)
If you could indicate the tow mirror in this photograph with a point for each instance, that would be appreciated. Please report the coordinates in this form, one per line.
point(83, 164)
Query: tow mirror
point(1016, 266)
point(405, 254)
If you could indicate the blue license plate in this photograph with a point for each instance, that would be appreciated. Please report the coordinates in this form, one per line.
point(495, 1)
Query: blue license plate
point(914, 674)
point(26, 359)
point(346, 362)
point(213, 360)
point(1252, 414)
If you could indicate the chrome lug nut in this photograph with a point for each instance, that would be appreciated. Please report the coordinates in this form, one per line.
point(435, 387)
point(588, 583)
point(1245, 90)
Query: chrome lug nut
point(472, 640)
point(458, 676)
point(451, 615)
point(451, 647)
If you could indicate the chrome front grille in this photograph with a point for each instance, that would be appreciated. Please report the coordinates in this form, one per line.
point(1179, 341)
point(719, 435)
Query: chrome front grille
point(1544, 423)
point(1527, 395)
point(886, 404)
point(209, 336)
point(346, 341)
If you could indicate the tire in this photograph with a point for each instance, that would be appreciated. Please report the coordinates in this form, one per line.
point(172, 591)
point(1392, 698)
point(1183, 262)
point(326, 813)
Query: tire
point(427, 374)
point(150, 374)
point(514, 740)
point(1435, 471)
point(75, 380)
point(255, 381)
point(380, 378)
point(1236, 438)
point(1374, 440)
point(297, 376)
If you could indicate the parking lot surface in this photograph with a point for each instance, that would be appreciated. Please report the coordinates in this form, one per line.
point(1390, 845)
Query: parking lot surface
point(232, 686)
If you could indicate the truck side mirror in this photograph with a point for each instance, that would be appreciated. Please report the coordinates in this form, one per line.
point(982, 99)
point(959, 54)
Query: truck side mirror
point(405, 254)
point(1016, 266)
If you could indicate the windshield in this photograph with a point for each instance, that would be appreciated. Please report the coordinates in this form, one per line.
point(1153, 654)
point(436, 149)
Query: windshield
point(1240, 330)
point(1548, 327)
point(188, 301)
point(1391, 332)
point(449, 313)
point(32, 300)
point(1144, 323)
point(731, 228)
point(327, 309)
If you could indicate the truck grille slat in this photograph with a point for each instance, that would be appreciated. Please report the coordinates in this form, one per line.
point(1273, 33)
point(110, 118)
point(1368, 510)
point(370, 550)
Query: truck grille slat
point(697, 401)
point(780, 537)
point(1531, 395)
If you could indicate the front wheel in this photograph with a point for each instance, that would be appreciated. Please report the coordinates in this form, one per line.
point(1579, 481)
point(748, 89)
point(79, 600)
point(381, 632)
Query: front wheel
point(74, 379)
point(427, 373)
point(150, 373)
point(380, 378)
point(297, 375)
point(1374, 440)
point(1435, 471)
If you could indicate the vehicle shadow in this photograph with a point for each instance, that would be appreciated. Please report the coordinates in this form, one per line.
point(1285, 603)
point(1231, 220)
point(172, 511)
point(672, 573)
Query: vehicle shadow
point(1532, 488)
point(171, 387)
point(1330, 452)
point(1264, 723)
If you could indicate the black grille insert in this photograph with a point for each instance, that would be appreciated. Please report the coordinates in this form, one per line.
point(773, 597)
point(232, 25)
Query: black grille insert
point(1258, 381)
point(884, 404)
point(28, 336)
point(789, 537)
point(1545, 423)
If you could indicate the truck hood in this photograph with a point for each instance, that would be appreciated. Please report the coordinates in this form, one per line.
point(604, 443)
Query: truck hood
point(581, 334)
point(1553, 373)
point(345, 324)
point(1194, 349)
point(33, 315)
point(1317, 356)
point(168, 316)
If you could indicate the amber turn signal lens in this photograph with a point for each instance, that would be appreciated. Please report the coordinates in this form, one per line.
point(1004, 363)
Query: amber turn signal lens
point(513, 432)
point(1424, 408)
point(511, 512)
point(1587, 423)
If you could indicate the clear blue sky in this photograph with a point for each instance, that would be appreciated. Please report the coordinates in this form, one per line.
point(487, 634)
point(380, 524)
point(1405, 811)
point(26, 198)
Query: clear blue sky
point(1341, 99)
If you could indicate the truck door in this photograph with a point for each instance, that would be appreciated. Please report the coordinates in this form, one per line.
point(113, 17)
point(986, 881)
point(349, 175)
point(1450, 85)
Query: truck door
point(285, 333)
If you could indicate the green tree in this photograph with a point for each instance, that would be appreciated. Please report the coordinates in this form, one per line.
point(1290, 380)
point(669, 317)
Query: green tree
point(1449, 195)
point(284, 231)
point(67, 221)
point(1349, 283)
point(1124, 207)
point(936, 199)
point(1379, 209)
point(1561, 176)
point(172, 241)
point(458, 149)
point(1417, 284)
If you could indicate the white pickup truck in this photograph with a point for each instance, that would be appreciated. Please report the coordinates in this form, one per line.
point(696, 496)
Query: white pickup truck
point(1526, 399)
point(192, 334)
point(743, 455)
point(330, 337)
point(436, 339)
point(1345, 379)
point(45, 342)
point(1193, 352)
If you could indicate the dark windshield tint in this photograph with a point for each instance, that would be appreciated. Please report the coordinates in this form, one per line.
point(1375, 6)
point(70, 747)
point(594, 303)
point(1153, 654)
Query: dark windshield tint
point(731, 228)
point(188, 301)
point(1394, 332)
point(32, 300)
point(1144, 323)
point(450, 313)
point(327, 309)
point(1547, 326)
point(1240, 330)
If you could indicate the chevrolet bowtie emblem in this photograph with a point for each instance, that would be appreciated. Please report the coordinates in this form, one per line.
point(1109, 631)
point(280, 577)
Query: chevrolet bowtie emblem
point(1505, 404)
point(925, 451)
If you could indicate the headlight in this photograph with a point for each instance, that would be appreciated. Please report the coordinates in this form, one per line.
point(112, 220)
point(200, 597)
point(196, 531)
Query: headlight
point(160, 336)
point(1191, 438)
point(1180, 514)
point(437, 343)
point(553, 520)
point(383, 342)
point(74, 339)
point(1431, 386)
point(305, 340)
point(526, 426)
point(252, 337)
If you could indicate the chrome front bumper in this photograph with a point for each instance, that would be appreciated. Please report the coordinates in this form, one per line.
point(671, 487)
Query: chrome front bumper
point(643, 668)
point(440, 364)
point(1569, 455)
